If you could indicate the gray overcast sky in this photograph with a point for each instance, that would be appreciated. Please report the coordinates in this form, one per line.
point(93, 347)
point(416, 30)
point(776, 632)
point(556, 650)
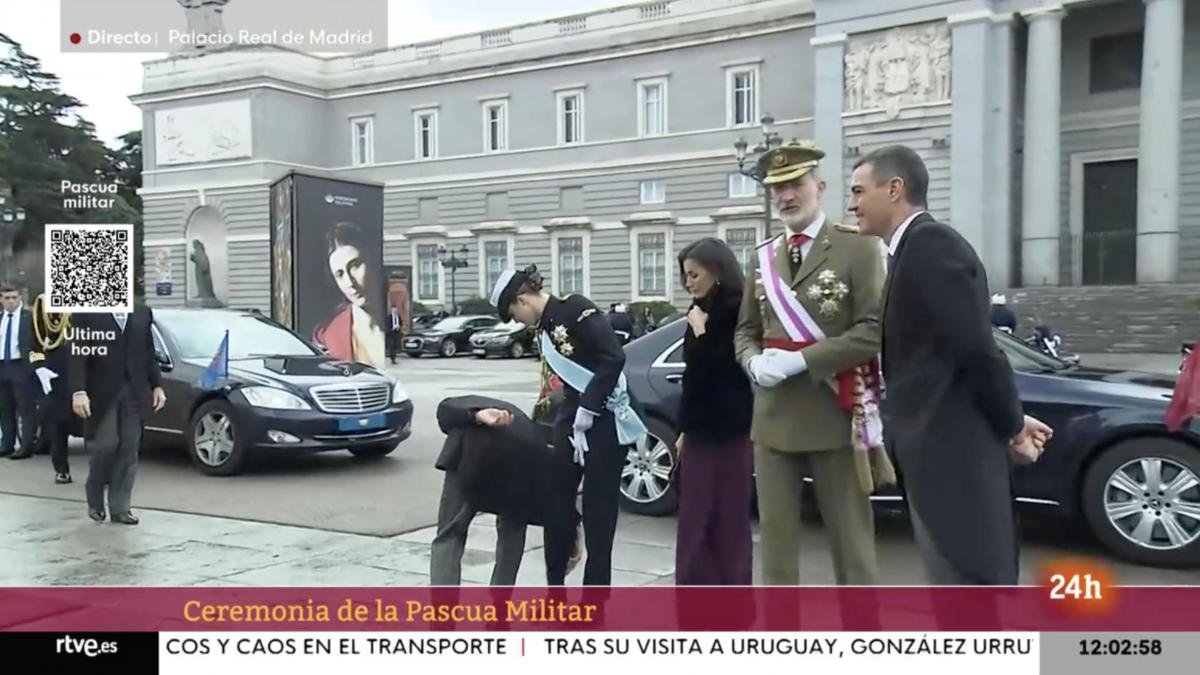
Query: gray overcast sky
point(103, 82)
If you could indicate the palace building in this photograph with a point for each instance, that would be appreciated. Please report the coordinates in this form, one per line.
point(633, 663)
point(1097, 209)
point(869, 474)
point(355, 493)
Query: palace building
point(1062, 139)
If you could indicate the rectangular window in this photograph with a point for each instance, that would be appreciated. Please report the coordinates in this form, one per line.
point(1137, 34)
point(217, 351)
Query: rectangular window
point(742, 96)
point(427, 271)
point(652, 108)
point(742, 186)
point(362, 141)
point(741, 241)
point(495, 126)
point(495, 259)
point(653, 192)
point(570, 117)
point(426, 134)
point(652, 264)
point(1115, 62)
point(570, 265)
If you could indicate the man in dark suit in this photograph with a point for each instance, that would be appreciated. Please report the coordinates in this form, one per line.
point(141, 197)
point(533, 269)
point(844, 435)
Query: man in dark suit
point(17, 395)
point(953, 415)
point(116, 384)
point(395, 332)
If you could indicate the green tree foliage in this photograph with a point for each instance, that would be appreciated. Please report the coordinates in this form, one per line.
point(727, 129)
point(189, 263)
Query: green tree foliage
point(44, 141)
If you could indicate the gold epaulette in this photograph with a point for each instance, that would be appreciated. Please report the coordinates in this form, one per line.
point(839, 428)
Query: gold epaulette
point(848, 229)
point(585, 314)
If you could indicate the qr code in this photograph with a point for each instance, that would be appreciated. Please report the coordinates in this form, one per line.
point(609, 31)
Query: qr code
point(89, 268)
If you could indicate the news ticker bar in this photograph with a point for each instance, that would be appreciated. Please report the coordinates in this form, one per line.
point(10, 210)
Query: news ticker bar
point(532, 652)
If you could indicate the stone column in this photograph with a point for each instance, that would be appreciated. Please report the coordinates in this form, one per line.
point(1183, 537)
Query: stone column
point(1041, 204)
point(970, 188)
point(1001, 159)
point(829, 53)
point(1158, 143)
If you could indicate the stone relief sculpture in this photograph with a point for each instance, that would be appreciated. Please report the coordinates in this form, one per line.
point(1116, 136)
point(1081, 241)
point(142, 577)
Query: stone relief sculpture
point(202, 133)
point(903, 66)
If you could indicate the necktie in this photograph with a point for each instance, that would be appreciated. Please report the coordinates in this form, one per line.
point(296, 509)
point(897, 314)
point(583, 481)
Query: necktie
point(121, 319)
point(796, 243)
point(8, 335)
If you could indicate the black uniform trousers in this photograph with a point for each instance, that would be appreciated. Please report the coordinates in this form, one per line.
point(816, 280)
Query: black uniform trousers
point(18, 402)
point(601, 476)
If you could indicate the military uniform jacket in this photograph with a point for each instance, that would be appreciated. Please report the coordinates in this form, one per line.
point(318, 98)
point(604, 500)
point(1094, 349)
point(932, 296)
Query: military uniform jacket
point(802, 413)
point(583, 334)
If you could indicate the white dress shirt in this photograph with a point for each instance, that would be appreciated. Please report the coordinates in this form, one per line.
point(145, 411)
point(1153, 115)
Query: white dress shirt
point(813, 229)
point(15, 348)
point(897, 236)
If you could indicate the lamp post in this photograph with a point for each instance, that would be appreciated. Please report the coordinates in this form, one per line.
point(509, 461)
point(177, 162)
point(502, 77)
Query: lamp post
point(453, 261)
point(770, 139)
point(12, 219)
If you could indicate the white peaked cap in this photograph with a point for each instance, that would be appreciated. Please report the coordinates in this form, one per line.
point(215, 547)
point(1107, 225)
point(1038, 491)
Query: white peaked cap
point(501, 283)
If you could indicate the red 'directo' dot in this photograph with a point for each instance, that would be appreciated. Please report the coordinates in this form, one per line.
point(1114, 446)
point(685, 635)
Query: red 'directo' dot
point(76, 38)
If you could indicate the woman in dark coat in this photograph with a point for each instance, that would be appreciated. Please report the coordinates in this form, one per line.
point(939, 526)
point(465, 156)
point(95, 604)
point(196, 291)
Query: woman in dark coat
point(715, 475)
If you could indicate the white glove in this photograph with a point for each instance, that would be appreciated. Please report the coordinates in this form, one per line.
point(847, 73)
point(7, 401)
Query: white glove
point(584, 419)
point(764, 371)
point(792, 363)
point(45, 375)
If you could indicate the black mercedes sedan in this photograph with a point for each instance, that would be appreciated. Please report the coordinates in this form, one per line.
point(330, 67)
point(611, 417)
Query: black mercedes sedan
point(512, 339)
point(449, 337)
point(282, 394)
point(1111, 465)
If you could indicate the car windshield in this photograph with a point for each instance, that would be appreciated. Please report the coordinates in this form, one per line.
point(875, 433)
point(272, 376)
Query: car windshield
point(453, 323)
point(199, 335)
point(1026, 358)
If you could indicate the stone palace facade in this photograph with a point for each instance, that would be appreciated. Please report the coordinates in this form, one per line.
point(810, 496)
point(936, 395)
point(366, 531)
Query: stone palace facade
point(1062, 140)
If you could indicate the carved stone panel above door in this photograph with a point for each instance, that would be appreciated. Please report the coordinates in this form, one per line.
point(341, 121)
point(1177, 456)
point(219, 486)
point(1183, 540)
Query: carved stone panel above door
point(202, 133)
point(904, 66)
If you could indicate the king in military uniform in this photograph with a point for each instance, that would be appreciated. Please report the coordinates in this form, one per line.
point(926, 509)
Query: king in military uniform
point(596, 421)
point(809, 335)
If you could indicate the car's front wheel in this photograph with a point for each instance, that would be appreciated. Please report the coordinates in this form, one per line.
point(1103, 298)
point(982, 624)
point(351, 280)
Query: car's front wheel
point(1142, 500)
point(374, 450)
point(646, 486)
point(449, 349)
point(516, 350)
point(214, 443)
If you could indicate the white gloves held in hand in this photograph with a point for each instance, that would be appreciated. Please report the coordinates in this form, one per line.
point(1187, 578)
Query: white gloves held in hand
point(584, 419)
point(775, 365)
point(45, 375)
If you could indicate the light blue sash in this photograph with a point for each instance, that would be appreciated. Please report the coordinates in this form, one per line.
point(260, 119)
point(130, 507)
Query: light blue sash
point(629, 426)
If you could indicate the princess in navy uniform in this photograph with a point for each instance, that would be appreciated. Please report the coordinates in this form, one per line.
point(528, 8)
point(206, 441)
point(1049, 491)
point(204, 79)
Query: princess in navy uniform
point(595, 424)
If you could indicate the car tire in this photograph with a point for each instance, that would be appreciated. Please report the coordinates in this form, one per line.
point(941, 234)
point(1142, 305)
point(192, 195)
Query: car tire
point(1126, 463)
point(222, 450)
point(481, 356)
point(448, 349)
point(375, 450)
point(516, 350)
point(659, 498)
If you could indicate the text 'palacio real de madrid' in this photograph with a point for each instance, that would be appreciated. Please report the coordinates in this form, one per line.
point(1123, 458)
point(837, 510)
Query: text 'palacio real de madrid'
point(1062, 138)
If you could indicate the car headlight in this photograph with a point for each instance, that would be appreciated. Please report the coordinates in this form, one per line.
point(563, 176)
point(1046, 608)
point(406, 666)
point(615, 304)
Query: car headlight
point(275, 399)
point(399, 395)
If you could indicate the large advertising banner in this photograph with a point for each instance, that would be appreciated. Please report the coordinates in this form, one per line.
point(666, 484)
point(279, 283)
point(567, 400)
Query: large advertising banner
point(282, 253)
point(337, 233)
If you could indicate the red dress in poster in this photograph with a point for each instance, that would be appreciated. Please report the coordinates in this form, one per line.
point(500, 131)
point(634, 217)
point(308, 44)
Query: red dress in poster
point(351, 333)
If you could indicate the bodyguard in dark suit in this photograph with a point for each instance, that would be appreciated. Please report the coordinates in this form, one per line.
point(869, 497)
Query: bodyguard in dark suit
point(952, 411)
point(17, 395)
point(114, 391)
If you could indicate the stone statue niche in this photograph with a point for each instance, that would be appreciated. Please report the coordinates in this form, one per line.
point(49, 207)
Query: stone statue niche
point(202, 268)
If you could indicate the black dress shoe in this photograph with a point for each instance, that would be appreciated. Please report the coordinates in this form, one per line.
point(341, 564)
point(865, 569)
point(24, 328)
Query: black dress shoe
point(6, 453)
point(96, 515)
point(62, 478)
point(21, 455)
point(125, 518)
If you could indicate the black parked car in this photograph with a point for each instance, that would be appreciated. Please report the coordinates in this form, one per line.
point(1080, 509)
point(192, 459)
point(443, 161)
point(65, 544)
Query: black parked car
point(448, 337)
point(1111, 464)
point(283, 394)
point(514, 340)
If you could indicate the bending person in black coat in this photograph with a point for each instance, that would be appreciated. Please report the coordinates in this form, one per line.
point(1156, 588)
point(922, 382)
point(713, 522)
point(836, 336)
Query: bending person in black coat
point(952, 412)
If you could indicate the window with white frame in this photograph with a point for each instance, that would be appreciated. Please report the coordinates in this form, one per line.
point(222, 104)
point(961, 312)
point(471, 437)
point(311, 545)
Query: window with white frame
point(428, 269)
point(743, 96)
point(652, 264)
point(495, 260)
point(741, 186)
point(742, 241)
point(425, 130)
point(652, 107)
point(570, 265)
point(362, 139)
point(495, 126)
point(653, 191)
point(570, 117)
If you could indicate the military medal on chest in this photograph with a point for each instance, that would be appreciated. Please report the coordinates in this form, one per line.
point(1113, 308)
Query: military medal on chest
point(562, 340)
point(829, 291)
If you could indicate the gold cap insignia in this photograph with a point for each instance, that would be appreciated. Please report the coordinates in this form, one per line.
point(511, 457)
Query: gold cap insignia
point(789, 161)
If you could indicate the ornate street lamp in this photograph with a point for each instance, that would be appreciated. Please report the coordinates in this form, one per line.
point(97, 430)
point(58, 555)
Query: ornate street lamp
point(453, 261)
point(12, 219)
point(770, 139)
